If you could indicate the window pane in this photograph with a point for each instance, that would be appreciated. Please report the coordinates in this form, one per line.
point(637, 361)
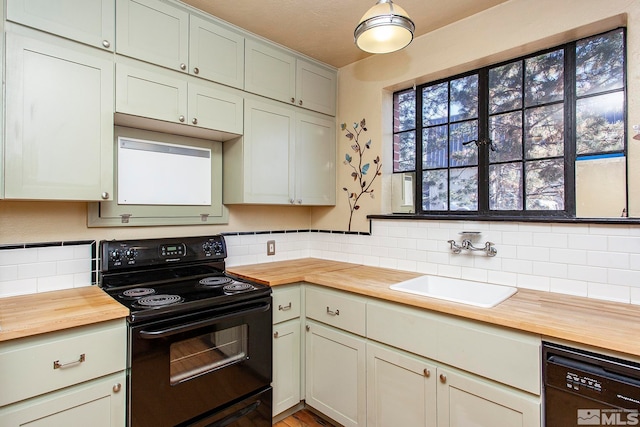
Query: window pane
point(434, 142)
point(505, 88)
point(505, 187)
point(434, 190)
point(544, 132)
point(404, 152)
point(544, 78)
point(464, 98)
point(506, 134)
point(463, 155)
point(545, 185)
point(404, 113)
point(600, 63)
point(464, 189)
point(434, 104)
point(600, 123)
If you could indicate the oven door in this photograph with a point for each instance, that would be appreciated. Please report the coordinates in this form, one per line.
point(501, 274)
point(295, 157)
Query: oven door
point(191, 366)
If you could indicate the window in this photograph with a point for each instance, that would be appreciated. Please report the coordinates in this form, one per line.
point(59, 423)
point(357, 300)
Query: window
point(522, 138)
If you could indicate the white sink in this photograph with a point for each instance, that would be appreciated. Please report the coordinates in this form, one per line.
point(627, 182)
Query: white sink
point(478, 294)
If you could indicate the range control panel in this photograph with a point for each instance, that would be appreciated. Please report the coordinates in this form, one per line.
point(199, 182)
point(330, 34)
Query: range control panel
point(124, 254)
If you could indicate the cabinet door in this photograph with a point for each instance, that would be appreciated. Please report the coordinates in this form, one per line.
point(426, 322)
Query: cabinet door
point(98, 403)
point(464, 400)
point(87, 21)
point(315, 87)
point(147, 91)
point(216, 53)
point(59, 120)
point(153, 31)
point(269, 72)
point(315, 158)
point(286, 365)
point(401, 389)
point(268, 136)
point(216, 107)
point(335, 374)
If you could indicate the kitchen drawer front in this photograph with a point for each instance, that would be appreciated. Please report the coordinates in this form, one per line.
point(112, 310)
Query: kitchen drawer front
point(497, 353)
point(286, 303)
point(43, 363)
point(337, 309)
point(501, 354)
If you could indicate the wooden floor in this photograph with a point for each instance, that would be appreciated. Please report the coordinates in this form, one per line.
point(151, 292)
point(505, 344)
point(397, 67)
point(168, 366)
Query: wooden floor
point(303, 418)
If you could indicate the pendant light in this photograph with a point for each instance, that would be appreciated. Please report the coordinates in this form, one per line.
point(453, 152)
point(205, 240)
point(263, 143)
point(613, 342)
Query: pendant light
point(384, 28)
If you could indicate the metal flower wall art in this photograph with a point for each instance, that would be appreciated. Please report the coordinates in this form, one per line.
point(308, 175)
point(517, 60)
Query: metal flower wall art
point(361, 172)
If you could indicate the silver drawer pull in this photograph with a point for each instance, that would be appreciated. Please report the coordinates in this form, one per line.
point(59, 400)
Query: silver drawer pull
point(284, 307)
point(57, 364)
point(333, 313)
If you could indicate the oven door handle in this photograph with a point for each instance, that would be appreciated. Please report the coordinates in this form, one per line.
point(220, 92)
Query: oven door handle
point(161, 333)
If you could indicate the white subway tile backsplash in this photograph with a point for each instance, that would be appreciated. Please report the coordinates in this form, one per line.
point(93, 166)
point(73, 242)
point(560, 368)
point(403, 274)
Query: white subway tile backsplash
point(587, 273)
point(36, 269)
point(609, 292)
point(608, 259)
point(589, 242)
point(45, 267)
point(538, 283)
point(568, 256)
point(569, 287)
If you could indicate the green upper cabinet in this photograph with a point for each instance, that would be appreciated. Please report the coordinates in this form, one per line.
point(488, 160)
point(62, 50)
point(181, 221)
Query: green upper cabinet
point(201, 108)
point(280, 75)
point(87, 21)
point(286, 157)
point(215, 53)
point(168, 35)
point(59, 119)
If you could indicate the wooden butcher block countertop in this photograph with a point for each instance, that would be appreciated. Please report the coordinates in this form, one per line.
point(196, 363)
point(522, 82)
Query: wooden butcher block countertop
point(608, 325)
point(26, 315)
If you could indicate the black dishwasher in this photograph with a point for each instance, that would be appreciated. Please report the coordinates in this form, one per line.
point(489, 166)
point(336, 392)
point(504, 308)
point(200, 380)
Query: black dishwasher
point(585, 388)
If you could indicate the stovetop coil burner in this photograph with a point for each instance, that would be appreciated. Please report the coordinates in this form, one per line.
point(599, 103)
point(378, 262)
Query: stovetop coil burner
point(237, 287)
point(158, 300)
point(138, 292)
point(215, 281)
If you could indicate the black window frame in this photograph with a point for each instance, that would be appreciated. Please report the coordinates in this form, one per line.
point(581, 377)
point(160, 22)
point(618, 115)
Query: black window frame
point(569, 100)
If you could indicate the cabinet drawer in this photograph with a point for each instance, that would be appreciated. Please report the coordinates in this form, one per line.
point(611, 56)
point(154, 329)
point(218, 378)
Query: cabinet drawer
point(286, 303)
point(97, 403)
point(497, 353)
point(40, 364)
point(337, 309)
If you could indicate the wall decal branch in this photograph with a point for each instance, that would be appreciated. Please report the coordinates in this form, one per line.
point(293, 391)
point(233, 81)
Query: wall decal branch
point(359, 170)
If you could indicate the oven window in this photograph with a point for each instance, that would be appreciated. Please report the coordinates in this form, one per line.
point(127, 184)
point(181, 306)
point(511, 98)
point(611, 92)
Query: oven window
point(205, 353)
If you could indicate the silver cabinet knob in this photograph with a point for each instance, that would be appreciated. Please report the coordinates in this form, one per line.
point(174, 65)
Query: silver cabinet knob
point(181, 118)
point(275, 334)
point(196, 70)
point(105, 196)
point(117, 387)
point(300, 102)
point(106, 44)
point(308, 328)
point(293, 100)
point(183, 66)
point(426, 372)
point(194, 121)
point(443, 378)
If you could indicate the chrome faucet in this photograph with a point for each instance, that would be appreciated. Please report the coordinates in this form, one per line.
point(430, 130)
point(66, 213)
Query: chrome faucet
point(466, 244)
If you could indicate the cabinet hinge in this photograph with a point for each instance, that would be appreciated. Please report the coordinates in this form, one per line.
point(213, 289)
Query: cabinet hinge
point(125, 218)
point(204, 217)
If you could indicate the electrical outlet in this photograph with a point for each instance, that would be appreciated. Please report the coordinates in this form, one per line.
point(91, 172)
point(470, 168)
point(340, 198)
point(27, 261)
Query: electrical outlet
point(271, 247)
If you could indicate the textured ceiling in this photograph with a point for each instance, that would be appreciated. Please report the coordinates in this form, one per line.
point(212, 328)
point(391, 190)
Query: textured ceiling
point(324, 29)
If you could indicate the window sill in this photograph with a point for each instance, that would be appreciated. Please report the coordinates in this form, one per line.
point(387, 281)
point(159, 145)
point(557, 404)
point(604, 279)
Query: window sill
point(456, 217)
